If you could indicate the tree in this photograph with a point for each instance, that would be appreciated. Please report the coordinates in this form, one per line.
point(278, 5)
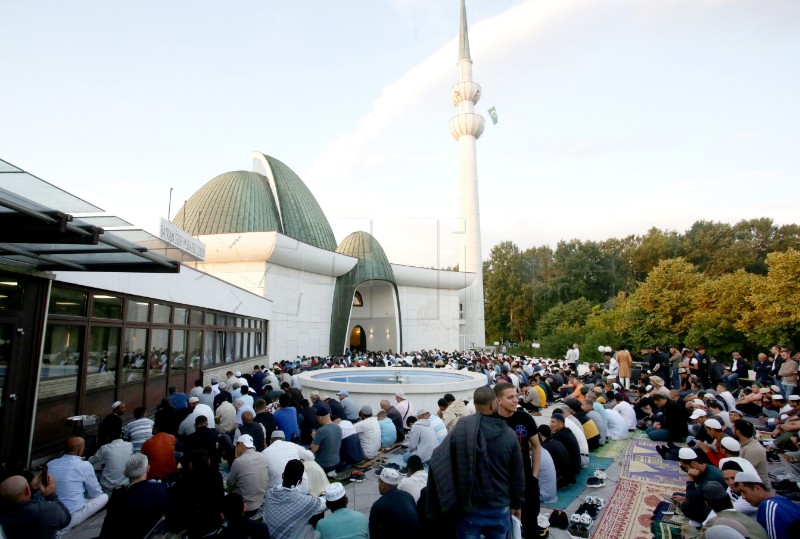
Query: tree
point(774, 313)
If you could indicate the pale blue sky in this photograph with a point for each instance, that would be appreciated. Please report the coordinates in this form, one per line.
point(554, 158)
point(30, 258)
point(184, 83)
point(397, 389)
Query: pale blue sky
point(615, 116)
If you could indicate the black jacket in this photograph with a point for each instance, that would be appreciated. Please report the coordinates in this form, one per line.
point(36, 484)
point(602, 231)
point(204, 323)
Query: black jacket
point(39, 517)
point(478, 464)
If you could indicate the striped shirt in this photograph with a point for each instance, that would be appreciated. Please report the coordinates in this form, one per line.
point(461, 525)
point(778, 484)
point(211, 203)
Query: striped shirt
point(138, 432)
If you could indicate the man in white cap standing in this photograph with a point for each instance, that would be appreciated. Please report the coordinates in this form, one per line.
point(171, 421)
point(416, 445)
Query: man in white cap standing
point(342, 523)
point(394, 514)
point(404, 407)
point(248, 475)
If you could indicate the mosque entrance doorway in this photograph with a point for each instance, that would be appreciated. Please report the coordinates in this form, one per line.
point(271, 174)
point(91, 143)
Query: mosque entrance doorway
point(358, 340)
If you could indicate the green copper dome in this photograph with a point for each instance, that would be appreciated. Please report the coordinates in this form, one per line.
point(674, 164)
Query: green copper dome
point(251, 202)
point(373, 265)
point(236, 201)
point(301, 215)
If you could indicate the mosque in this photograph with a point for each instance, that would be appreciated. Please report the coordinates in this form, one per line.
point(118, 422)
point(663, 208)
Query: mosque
point(266, 233)
point(94, 310)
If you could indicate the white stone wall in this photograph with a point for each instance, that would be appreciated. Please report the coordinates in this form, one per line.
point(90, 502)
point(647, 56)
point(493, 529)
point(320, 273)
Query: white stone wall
point(301, 312)
point(429, 318)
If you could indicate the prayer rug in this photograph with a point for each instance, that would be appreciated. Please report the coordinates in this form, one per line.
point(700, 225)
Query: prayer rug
point(628, 515)
point(611, 449)
point(640, 435)
point(641, 461)
point(567, 495)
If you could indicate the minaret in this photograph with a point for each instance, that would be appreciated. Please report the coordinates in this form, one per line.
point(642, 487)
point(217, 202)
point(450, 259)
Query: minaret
point(466, 127)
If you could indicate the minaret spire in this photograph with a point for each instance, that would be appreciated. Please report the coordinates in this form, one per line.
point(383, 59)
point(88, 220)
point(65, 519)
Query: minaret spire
point(466, 127)
point(463, 35)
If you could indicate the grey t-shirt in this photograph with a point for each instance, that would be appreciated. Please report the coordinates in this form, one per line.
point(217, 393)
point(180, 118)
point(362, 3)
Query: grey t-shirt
point(329, 439)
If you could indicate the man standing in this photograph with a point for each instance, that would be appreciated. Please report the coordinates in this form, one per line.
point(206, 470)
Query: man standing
point(77, 484)
point(21, 517)
point(394, 514)
point(248, 476)
point(476, 475)
point(527, 433)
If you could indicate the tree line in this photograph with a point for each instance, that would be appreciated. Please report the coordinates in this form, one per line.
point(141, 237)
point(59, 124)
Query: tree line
point(728, 287)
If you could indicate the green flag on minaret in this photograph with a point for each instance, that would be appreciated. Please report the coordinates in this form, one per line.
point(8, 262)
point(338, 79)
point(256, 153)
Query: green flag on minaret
point(493, 114)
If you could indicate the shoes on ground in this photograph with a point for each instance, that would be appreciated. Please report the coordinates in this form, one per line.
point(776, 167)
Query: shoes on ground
point(357, 477)
point(558, 519)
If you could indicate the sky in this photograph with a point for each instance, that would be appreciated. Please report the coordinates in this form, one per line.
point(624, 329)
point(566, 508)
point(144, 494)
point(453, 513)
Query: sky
point(614, 116)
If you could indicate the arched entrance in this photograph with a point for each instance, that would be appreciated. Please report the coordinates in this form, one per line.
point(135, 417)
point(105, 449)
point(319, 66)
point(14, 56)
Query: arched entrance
point(358, 339)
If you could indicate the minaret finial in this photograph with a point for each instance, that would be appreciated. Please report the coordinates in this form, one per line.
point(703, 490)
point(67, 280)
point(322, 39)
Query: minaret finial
point(463, 36)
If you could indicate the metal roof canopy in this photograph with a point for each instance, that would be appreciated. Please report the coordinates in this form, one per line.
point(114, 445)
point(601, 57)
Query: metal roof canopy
point(39, 232)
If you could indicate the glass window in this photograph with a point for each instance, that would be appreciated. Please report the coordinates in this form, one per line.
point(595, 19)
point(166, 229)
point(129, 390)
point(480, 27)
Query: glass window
point(196, 318)
point(211, 319)
point(178, 362)
point(138, 311)
point(101, 367)
point(107, 307)
point(159, 353)
point(135, 355)
point(61, 360)
point(219, 347)
point(230, 348)
point(222, 320)
point(238, 346)
point(193, 348)
point(67, 302)
point(208, 351)
point(181, 315)
point(257, 348)
point(161, 313)
point(11, 293)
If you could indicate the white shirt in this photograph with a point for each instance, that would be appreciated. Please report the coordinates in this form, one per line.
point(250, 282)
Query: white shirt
point(414, 484)
point(347, 428)
point(278, 453)
point(575, 426)
point(369, 432)
point(112, 457)
point(627, 412)
point(617, 426)
point(187, 425)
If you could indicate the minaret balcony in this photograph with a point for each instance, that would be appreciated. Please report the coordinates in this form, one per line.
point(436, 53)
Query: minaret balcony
point(465, 91)
point(466, 124)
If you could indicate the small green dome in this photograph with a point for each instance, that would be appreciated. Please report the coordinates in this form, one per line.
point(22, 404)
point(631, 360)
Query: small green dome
point(238, 201)
point(372, 260)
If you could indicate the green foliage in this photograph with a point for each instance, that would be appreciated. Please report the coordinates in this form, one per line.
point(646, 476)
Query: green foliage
point(725, 286)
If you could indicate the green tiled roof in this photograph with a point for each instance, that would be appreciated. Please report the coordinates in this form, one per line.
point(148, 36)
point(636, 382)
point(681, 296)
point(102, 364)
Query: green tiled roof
point(238, 201)
point(303, 218)
point(373, 265)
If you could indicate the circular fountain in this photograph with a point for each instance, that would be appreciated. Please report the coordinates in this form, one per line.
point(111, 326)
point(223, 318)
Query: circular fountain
point(369, 385)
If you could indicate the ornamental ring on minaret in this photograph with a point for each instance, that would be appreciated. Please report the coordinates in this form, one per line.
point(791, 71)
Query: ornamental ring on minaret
point(466, 124)
point(465, 91)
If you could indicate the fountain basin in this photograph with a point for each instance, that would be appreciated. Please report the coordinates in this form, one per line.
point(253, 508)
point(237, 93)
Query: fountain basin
point(370, 385)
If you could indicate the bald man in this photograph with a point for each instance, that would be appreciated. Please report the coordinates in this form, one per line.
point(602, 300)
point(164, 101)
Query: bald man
point(22, 516)
point(77, 483)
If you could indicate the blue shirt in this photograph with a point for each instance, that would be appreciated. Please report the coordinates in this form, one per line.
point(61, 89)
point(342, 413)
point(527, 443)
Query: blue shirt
point(343, 524)
point(438, 428)
point(179, 401)
point(776, 514)
point(286, 420)
point(388, 432)
point(74, 476)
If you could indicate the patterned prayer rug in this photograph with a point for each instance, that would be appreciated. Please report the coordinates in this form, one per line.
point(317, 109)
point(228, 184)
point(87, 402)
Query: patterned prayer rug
point(641, 461)
point(567, 495)
point(640, 435)
point(612, 449)
point(629, 513)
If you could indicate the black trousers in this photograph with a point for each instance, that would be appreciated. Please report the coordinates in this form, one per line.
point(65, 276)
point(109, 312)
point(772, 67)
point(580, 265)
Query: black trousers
point(530, 508)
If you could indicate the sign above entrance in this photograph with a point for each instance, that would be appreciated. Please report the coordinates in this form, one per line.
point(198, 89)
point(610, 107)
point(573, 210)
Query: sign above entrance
point(179, 238)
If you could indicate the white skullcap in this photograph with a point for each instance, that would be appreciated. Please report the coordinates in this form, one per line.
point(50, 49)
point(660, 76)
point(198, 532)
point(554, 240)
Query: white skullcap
point(334, 491)
point(731, 444)
point(687, 453)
